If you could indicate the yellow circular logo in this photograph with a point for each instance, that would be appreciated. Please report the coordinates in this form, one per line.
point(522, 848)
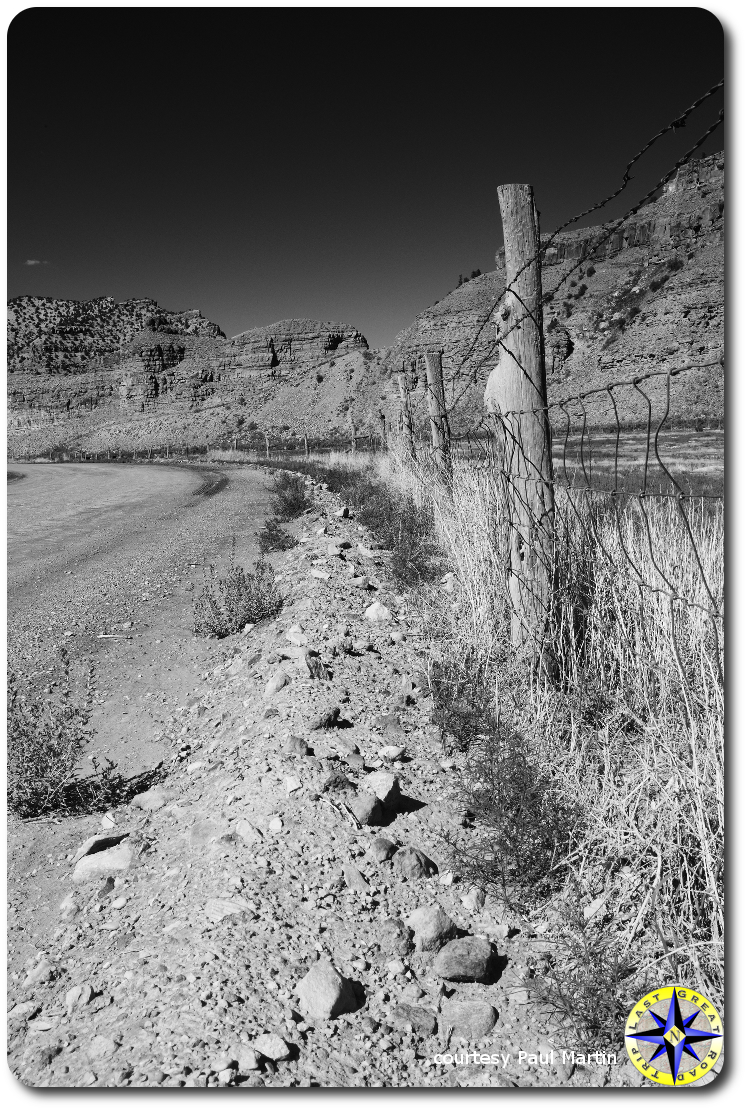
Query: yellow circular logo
point(674, 1036)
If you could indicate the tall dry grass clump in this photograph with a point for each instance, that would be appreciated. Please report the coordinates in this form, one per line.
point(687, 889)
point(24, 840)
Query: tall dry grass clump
point(611, 775)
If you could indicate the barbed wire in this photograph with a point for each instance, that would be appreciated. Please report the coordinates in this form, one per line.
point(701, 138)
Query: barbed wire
point(680, 121)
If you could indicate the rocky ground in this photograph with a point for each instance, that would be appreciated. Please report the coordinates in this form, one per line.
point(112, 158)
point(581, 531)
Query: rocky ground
point(280, 911)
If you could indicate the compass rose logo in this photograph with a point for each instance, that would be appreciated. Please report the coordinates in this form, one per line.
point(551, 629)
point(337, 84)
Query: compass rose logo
point(674, 1036)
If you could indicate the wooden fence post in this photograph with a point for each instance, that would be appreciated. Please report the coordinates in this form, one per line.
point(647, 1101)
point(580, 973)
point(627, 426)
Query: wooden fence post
point(408, 427)
point(440, 437)
point(267, 446)
point(353, 439)
point(382, 425)
point(306, 446)
point(516, 394)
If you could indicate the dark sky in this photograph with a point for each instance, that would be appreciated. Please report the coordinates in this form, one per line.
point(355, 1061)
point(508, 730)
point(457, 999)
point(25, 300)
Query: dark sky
point(333, 164)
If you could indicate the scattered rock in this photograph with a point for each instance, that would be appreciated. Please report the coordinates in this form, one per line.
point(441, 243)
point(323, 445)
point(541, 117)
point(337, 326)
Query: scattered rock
point(474, 900)
point(101, 864)
point(325, 718)
point(272, 1046)
point(395, 938)
point(384, 785)
point(391, 753)
point(297, 636)
point(151, 800)
point(381, 849)
point(432, 927)
point(247, 1060)
point(467, 960)
point(295, 745)
point(417, 1018)
point(366, 808)
point(276, 683)
point(411, 863)
point(324, 994)
point(78, 996)
point(469, 1019)
point(378, 613)
point(98, 843)
point(354, 879)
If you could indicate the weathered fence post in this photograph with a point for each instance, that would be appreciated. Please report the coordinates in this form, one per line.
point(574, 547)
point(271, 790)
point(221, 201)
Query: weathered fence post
point(353, 439)
point(306, 446)
point(267, 446)
point(516, 394)
point(408, 430)
point(167, 450)
point(382, 426)
point(440, 437)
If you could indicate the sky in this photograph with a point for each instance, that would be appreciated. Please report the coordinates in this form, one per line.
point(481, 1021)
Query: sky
point(335, 164)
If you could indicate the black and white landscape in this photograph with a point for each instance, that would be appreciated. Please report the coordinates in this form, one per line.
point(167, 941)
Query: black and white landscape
point(365, 543)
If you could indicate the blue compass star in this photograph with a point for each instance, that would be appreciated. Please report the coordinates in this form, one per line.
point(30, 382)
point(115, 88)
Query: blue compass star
point(674, 1036)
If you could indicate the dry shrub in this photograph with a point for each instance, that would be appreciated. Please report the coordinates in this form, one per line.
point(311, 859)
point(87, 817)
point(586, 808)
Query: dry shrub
point(625, 748)
point(239, 597)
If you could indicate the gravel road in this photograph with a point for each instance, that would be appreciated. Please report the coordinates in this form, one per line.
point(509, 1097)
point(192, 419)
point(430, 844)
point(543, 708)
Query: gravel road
point(95, 547)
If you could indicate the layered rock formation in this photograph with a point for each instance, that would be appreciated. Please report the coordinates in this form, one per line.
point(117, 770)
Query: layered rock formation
point(619, 302)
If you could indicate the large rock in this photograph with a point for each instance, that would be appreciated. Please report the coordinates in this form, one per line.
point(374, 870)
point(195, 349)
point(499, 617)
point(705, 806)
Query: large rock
point(323, 993)
point(102, 864)
point(384, 786)
point(432, 927)
point(367, 808)
point(411, 863)
point(468, 1019)
point(467, 960)
point(382, 849)
point(272, 1046)
point(151, 800)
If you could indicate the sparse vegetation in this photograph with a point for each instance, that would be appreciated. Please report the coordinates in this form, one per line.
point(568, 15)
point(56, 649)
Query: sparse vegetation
point(288, 496)
point(272, 537)
point(237, 598)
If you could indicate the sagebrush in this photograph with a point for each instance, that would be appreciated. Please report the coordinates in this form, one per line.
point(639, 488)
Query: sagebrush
point(228, 602)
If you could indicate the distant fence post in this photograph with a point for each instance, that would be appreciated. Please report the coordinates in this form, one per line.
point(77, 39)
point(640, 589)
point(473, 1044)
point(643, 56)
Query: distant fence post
point(408, 429)
point(440, 437)
point(267, 446)
point(382, 425)
point(353, 439)
point(306, 446)
point(517, 396)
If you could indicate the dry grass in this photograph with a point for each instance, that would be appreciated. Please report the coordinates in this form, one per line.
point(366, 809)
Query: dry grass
point(626, 743)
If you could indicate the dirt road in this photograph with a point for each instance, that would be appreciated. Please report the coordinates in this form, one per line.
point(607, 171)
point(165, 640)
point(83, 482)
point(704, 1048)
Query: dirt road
point(104, 559)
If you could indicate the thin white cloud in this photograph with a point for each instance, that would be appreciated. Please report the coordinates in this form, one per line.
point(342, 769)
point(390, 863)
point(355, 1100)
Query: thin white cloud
point(35, 262)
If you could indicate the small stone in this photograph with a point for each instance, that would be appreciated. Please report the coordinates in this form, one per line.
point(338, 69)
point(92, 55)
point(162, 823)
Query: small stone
point(411, 863)
point(417, 1017)
point(205, 831)
point(324, 994)
point(384, 785)
point(151, 800)
point(355, 762)
point(431, 926)
point(324, 575)
point(275, 824)
point(100, 1047)
point(474, 900)
point(295, 745)
point(325, 718)
point(224, 1077)
point(272, 1046)
point(78, 996)
point(297, 636)
point(391, 753)
point(276, 683)
point(382, 849)
point(292, 784)
point(108, 821)
point(467, 960)
point(469, 1019)
point(248, 1060)
point(247, 831)
point(222, 1062)
point(42, 972)
point(354, 879)
point(342, 514)
point(395, 967)
point(395, 938)
point(366, 808)
point(378, 613)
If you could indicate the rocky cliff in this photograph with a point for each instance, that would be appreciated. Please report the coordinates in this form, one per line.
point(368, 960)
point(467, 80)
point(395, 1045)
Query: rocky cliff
point(649, 296)
point(619, 302)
